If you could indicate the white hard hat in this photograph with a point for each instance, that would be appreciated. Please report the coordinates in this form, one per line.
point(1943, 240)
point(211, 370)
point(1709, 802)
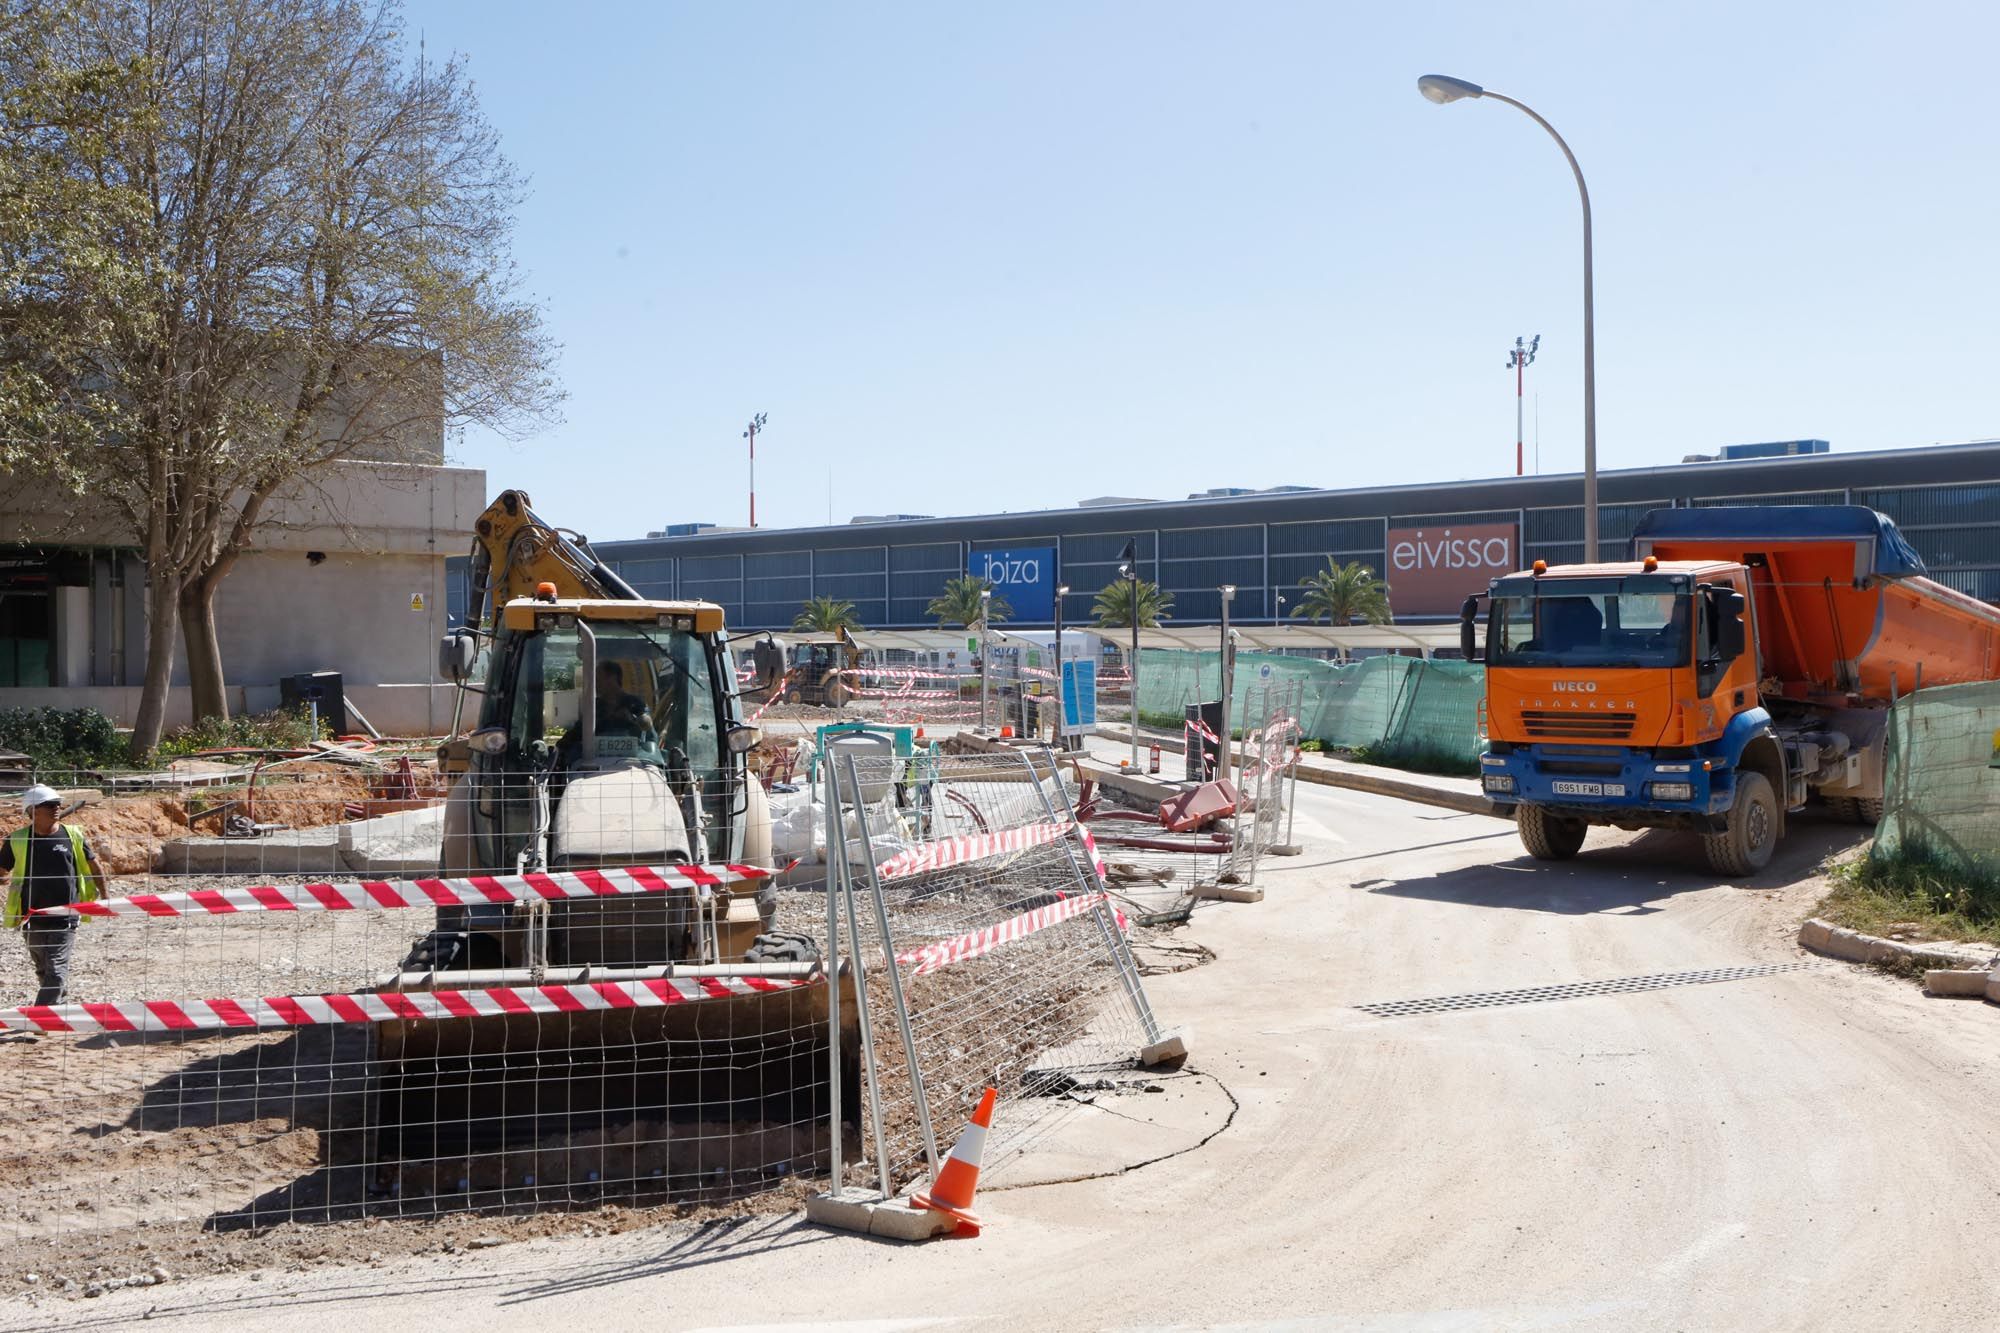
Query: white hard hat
point(38, 795)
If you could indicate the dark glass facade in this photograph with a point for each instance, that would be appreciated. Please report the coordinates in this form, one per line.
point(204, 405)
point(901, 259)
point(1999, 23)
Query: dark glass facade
point(1945, 499)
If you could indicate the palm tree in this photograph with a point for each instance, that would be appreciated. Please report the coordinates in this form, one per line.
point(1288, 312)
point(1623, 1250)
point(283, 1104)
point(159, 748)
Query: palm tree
point(1115, 600)
point(1343, 594)
point(824, 615)
point(958, 604)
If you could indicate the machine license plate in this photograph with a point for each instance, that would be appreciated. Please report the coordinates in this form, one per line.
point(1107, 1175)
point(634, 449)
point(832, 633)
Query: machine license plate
point(1578, 788)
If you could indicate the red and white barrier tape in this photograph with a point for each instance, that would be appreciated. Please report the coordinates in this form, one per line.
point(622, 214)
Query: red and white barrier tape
point(929, 856)
point(972, 944)
point(290, 1011)
point(1200, 728)
point(470, 891)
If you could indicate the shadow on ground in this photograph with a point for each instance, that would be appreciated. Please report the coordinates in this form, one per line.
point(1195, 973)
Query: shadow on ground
point(1629, 876)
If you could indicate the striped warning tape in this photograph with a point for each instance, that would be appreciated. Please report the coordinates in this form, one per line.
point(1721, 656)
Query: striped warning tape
point(469, 891)
point(929, 856)
point(974, 943)
point(291, 1011)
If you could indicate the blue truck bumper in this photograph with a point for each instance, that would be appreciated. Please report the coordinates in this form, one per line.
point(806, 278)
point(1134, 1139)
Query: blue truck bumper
point(1629, 788)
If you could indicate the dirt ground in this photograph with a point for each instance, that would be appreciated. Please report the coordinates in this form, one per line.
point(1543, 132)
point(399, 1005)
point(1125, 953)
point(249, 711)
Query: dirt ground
point(128, 831)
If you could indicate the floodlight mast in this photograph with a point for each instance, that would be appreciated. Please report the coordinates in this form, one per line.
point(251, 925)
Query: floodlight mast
point(1518, 360)
point(750, 434)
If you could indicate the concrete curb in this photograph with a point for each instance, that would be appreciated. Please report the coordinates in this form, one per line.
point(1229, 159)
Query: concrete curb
point(1957, 969)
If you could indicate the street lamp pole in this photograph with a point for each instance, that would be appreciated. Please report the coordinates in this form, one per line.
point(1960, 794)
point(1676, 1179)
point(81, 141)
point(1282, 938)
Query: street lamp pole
point(985, 655)
point(1128, 569)
point(1441, 89)
point(1225, 676)
point(1061, 741)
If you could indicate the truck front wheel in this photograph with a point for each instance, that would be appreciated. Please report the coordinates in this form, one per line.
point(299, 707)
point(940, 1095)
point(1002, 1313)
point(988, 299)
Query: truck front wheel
point(1549, 837)
point(1745, 847)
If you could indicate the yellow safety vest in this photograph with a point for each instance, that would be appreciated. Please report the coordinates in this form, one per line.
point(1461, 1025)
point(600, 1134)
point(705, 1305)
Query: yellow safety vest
point(86, 881)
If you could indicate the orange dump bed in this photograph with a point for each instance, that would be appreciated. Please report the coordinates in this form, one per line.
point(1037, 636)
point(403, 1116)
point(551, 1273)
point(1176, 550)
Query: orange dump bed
point(1840, 602)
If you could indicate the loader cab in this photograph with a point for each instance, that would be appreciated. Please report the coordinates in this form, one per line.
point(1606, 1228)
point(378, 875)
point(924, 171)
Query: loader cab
point(573, 699)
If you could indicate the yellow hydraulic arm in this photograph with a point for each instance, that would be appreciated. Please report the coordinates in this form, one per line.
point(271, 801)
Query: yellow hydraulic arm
point(514, 551)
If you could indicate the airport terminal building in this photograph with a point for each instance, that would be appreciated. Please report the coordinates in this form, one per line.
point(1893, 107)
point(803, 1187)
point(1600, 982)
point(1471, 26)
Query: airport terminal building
point(1433, 542)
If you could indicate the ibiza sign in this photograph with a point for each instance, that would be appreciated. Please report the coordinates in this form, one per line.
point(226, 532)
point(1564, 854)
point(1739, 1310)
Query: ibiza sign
point(1431, 570)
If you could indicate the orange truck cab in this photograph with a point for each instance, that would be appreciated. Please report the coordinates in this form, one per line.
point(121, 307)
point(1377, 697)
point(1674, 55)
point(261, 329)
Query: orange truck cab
point(1744, 660)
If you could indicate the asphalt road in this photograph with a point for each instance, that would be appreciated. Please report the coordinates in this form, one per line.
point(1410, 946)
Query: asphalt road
point(1771, 1142)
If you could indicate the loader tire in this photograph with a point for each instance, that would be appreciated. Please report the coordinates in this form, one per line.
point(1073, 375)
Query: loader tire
point(1549, 837)
point(1745, 847)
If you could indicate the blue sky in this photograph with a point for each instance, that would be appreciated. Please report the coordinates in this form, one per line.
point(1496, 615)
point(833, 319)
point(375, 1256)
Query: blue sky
point(973, 258)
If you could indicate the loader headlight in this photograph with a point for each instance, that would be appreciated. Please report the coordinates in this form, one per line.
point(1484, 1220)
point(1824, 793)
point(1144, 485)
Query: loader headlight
point(1498, 781)
point(1671, 791)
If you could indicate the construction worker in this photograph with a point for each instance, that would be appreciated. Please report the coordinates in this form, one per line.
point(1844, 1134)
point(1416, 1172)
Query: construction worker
point(47, 864)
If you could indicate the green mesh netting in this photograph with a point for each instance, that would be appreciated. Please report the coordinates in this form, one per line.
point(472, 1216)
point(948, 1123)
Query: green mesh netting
point(1423, 714)
point(1941, 793)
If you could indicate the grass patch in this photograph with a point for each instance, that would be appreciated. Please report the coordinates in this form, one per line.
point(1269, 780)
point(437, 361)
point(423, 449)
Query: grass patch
point(275, 730)
point(1914, 895)
point(1418, 759)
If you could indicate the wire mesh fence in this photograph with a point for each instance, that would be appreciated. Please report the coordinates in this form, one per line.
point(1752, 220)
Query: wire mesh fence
point(969, 899)
point(1269, 774)
point(1417, 713)
point(1941, 791)
point(526, 995)
point(302, 1019)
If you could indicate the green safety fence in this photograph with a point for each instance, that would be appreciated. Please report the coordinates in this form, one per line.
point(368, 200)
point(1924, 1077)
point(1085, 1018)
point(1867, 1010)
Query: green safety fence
point(1402, 710)
point(1941, 791)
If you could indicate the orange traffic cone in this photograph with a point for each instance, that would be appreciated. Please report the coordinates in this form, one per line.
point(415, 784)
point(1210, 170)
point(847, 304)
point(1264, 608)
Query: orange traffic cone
point(951, 1193)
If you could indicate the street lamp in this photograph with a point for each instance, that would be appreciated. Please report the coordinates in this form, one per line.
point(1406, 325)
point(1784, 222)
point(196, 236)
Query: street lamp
point(1128, 569)
point(985, 655)
point(1441, 89)
point(1278, 608)
point(1224, 676)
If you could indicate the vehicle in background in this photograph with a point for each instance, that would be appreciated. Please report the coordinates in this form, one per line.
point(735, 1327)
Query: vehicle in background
point(1745, 659)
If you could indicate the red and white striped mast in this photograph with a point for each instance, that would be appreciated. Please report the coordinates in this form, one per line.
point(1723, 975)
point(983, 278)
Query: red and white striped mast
point(1517, 360)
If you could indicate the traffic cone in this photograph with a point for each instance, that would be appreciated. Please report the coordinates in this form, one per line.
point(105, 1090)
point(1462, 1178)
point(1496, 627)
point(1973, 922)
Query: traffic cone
point(951, 1193)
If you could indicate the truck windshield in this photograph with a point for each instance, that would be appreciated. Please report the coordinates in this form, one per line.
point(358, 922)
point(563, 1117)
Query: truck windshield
point(1640, 621)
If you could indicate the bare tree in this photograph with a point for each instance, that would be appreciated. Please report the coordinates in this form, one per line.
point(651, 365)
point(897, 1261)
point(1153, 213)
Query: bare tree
point(324, 229)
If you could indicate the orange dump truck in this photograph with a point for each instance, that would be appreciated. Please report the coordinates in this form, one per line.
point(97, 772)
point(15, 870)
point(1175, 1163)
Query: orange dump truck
point(1742, 661)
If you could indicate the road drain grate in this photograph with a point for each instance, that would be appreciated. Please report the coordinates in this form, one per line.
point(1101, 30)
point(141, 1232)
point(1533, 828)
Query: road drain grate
point(1572, 990)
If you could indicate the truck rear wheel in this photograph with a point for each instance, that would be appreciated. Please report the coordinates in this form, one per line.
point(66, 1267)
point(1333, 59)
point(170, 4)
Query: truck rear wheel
point(1745, 847)
point(1549, 837)
point(1868, 810)
point(1842, 808)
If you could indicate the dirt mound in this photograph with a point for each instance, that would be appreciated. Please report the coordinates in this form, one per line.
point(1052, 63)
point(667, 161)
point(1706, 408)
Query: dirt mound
point(126, 831)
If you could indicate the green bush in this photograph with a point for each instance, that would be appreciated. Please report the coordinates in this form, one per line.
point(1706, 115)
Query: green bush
point(1311, 746)
point(1417, 759)
point(275, 730)
point(1945, 896)
point(56, 738)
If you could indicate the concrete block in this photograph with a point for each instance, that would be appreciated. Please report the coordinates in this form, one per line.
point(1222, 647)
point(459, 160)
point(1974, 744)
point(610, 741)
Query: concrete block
point(1813, 935)
point(1167, 1050)
point(1228, 893)
point(313, 851)
point(408, 843)
point(870, 1214)
point(1956, 981)
point(1285, 849)
point(1993, 985)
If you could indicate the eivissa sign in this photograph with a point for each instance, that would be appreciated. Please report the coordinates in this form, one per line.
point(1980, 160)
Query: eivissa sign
point(1432, 569)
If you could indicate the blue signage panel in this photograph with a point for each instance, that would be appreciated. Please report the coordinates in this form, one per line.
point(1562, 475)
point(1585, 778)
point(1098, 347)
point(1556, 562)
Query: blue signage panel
point(1079, 695)
point(1025, 577)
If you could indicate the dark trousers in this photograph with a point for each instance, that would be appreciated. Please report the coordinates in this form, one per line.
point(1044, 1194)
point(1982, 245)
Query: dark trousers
point(51, 951)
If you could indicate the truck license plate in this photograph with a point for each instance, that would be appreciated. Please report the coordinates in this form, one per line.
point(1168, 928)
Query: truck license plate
point(1578, 788)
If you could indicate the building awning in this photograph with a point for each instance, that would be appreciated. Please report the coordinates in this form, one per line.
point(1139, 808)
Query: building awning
point(1273, 638)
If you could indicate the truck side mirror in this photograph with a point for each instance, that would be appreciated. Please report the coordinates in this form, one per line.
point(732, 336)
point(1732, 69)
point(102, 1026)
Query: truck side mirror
point(1468, 620)
point(458, 652)
point(1731, 639)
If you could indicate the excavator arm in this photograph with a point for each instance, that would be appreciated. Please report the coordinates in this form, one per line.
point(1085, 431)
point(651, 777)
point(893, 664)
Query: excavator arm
point(514, 552)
